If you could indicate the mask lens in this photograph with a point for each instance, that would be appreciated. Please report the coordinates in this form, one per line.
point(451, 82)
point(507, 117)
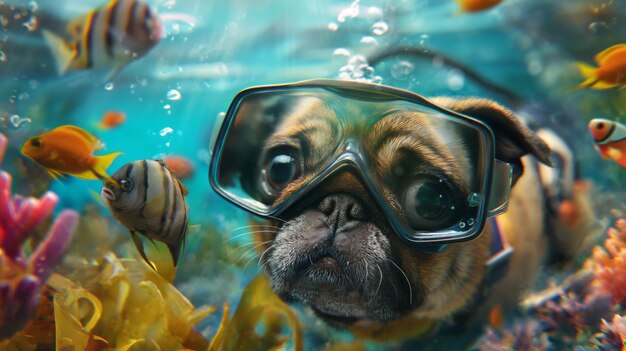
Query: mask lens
point(427, 168)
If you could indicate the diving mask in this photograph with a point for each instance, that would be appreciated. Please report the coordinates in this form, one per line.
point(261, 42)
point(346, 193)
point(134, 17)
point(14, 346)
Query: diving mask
point(277, 143)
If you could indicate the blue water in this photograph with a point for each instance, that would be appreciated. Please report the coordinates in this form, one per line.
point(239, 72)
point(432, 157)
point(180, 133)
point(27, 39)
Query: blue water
point(217, 48)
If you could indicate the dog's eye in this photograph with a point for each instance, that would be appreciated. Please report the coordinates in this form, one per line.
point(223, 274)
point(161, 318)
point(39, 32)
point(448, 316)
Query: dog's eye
point(431, 204)
point(280, 170)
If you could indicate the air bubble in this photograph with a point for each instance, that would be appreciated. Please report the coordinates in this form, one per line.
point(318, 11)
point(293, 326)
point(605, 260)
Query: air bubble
point(332, 26)
point(455, 79)
point(369, 40)
point(173, 95)
point(470, 221)
point(167, 107)
point(18, 122)
point(375, 11)
point(461, 225)
point(379, 28)
point(341, 52)
point(402, 70)
point(352, 12)
point(424, 39)
point(165, 131)
point(109, 86)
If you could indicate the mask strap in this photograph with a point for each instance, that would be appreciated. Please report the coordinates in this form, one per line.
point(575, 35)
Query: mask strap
point(500, 188)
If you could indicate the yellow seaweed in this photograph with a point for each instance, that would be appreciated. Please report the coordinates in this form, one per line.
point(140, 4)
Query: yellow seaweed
point(258, 322)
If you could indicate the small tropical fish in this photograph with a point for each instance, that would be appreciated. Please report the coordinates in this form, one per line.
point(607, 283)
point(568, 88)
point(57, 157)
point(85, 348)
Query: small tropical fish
point(477, 5)
point(69, 150)
point(610, 139)
point(611, 70)
point(496, 317)
point(112, 119)
point(110, 36)
point(180, 166)
point(149, 200)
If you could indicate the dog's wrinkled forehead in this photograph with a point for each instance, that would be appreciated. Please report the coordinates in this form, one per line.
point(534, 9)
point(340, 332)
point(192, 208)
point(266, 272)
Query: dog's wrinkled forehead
point(394, 140)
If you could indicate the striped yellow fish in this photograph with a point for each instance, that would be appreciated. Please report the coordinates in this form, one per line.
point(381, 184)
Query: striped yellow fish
point(110, 36)
point(149, 200)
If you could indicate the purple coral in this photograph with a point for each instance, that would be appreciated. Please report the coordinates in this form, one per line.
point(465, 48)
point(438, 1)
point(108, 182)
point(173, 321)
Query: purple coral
point(21, 277)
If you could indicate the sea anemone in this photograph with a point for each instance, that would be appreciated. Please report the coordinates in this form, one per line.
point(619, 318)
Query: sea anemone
point(608, 264)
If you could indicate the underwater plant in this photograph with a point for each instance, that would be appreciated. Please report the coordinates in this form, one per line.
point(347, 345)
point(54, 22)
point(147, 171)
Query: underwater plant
point(22, 278)
point(608, 263)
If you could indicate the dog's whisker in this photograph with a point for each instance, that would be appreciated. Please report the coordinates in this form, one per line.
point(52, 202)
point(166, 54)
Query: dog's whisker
point(380, 281)
point(250, 250)
point(255, 226)
point(276, 218)
point(407, 281)
point(366, 271)
point(239, 247)
point(251, 232)
point(261, 263)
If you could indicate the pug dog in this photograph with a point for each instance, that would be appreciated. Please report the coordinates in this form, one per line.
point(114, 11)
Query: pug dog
point(335, 250)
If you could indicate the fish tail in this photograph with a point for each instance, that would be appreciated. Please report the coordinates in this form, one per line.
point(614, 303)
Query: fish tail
point(589, 73)
point(61, 51)
point(102, 164)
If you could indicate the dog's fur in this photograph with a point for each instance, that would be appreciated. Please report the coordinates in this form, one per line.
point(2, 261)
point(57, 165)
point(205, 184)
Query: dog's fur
point(336, 252)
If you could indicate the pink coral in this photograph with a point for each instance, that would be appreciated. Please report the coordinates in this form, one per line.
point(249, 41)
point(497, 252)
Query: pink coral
point(21, 277)
point(609, 263)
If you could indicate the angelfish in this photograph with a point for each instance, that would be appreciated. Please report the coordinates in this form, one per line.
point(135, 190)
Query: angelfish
point(110, 36)
point(149, 200)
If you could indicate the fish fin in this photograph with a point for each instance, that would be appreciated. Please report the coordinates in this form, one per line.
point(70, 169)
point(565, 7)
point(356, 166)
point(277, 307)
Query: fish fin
point(175, 250)
point(139, 246)
point(101, 166)
point(603, 150)
point(183, 188)
point(56, 175)
point(589, 73)
point(604, 53)
point(613, 153)
point(600, 85)
point(76, 26)
point(114, 71)
point(62, 52)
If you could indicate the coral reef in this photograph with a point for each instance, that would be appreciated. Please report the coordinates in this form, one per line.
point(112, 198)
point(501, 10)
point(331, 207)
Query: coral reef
point(22, 278)
point(576, 313)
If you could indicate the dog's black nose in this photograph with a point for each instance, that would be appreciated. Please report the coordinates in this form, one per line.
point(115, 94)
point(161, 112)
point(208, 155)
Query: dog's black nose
point(342, 209)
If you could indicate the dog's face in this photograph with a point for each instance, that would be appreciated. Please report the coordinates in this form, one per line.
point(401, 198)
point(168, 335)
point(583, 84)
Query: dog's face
point(335, 250)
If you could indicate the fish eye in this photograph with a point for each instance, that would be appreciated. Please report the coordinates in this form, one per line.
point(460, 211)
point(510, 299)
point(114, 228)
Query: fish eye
point(600, 125)
point(35, 142)
point(126, 184)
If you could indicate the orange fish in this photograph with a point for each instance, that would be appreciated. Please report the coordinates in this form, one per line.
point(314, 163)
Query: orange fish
point(611, 70)
point(180, 166)
point(477, 5)
point(112, 119)
point(69, 150)
point(496, 317)
point(610, 139)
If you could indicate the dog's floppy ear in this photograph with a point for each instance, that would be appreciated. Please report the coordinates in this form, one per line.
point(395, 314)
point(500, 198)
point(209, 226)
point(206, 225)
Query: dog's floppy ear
point(513, 138)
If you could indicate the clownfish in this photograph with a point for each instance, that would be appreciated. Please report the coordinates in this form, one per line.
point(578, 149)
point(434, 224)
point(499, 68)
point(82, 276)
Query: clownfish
point(148, 199)
point(610, 139)
point(110, 36)
point(611, 70)
point(69, 150)
point(477, 5)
